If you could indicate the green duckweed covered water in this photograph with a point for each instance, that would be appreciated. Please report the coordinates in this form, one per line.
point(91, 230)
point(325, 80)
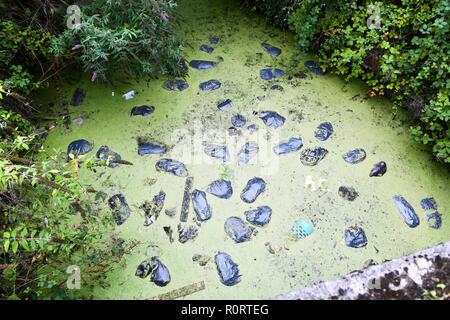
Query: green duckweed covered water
point(305, 103)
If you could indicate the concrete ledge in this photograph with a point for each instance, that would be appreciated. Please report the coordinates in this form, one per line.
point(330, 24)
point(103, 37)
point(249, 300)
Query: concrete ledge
point(406, 270)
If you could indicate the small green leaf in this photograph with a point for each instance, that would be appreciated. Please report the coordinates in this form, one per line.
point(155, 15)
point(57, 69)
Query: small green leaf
point(24, 244)
point(6, 245)
point(14, 246)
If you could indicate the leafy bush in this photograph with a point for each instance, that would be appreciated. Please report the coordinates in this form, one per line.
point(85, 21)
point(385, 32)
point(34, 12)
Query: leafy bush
point(135, 37)
point(404, 56)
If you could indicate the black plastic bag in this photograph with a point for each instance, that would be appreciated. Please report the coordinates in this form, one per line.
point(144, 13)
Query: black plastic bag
point(253, 189)
point(324, 131)
point(105, 154)
point(248, 151)
point(238, 120)
point(121, 209)
point(271, 49)
point(221, 188)
point(78, 147)
point(172, 166)
point(172, 84)
point(310, 157)
point(186, 233)
point(378, 170)
point(409, 215)
point(269, 74)
point(142, 111)
point(294, 144)
point(149, 148)
point(348, 193)
point(355, 156)
point(201, 64)
point(259, 216)
point(355, 237)
point(227, 269)
point(210, 85)
point(238, 230)
point(314, 67)
point(227, 104)
point(159, 272)
point(272, 119)
point(201, 206)
point(78, 96)
point(217, 151)
point(206, 49)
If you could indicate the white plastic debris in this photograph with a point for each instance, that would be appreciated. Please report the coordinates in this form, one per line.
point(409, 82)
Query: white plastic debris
point(113, 93)
point(129, 95)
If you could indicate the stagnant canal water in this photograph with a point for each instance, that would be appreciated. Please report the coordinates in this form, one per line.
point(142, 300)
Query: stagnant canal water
point(181, 117)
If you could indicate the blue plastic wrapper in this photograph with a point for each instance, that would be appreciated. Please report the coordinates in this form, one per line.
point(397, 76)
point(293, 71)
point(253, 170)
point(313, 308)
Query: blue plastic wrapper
point(227, 269)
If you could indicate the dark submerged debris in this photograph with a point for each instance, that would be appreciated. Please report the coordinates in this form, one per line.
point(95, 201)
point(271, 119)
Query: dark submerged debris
point(210, 85)
point(355, 237)
point(253, 189)
point(201, 64)
point(159, 272)
point(277, 87)
point(149, 148)
point(186, 199)
point(378, 170)
point(142, 111)
point(119, 205)
point(186, 233)
point(172, 166)
point(434, 220)
point(271, 49)
point(355, 156)
point(324, 131)
point(78, 147)
point(227, 104)
point(213, 40)
point(272, 119)
point(105, 154)
point(238, 230)
point(78, 96)
point(259, 216)
point(227, 269)
point(169, 232)
point(294, 144)
point(248, 151)
point(409, 215)
point(348, 193)
point(201, 206)
point(314, 67)
point(238, 120)
point(221, 188)
point(217, 151)
point(310, 157)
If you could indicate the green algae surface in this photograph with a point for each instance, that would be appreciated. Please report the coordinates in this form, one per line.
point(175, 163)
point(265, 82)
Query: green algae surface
point(190, 119)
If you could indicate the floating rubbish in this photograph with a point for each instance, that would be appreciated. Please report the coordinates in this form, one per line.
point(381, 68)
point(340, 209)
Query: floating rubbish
point(294, 144)
point(172, 84)
point(271, 49)
point(217, 151)
point(129, 95)
point(213, 40)
point(301, 229)
point(277, 87)
point(355, 237)
point(186, 199)
point(434, 220)
point(220, 188)
point(206, 49)
point(253, 189)
point(238, 120)
point(169, 232)
point(172, 166)
point(210, 85)
point(259, 216)
point(311, 181)
point(269, 247)
point(149, 148)
point(310, 157)
point(78, 96)
point(248, 151)
point(409, 215)
point(227, 104)
point(227, 269)
point(269, 74)
point(348, 193)
point(159, 272)
point(112, 93)
point(201, 259)
point(201, 206)
point(272, 119)
point(314, 67)
point(355, 156)
point(378, 170)
point(105, 154)
point(181, 292)
point(428, 204)
point(79, 121)
point(324, 131)
point(52, 126)
point(238, 230)
point(142, 111)
point(120, 207)
point(186, 233)
point(252, 128)
point(201, 64)
point(78, 147)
